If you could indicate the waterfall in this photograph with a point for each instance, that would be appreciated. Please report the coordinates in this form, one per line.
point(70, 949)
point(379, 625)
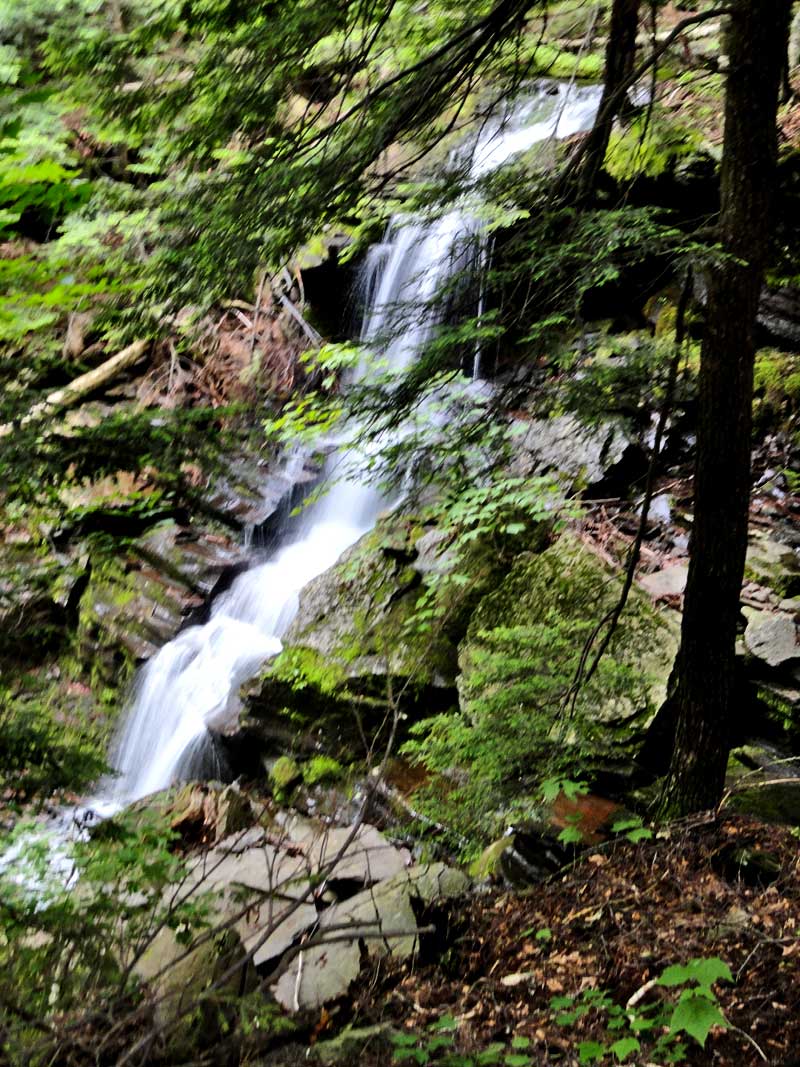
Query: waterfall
point(191, 686)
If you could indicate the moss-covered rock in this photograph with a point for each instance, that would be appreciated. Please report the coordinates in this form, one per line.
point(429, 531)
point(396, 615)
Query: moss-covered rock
point(390, 614)
point(773, 564)
point(779, 705)
point(284, 774)
point(524, 644)
point(762, 782)
point(39, 590)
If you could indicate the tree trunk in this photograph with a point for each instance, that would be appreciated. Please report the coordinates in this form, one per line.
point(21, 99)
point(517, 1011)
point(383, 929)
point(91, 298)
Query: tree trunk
point(705, 693)
point(619, 60)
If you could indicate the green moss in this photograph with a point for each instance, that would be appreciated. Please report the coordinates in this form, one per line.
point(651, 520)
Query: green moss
point(518, 721)
point(284, 774)
point(305, 668)
point(322, 769)
point(776, 385)
point(552, 62)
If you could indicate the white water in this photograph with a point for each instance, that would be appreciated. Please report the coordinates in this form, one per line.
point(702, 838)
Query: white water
point(191, 686)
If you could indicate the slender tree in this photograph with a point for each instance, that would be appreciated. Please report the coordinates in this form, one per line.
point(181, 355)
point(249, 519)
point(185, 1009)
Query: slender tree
point(705, 692)
point(619, 64)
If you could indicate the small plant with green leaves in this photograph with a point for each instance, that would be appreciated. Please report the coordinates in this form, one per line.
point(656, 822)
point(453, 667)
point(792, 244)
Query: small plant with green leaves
point(632, 828)
point(656, 1031)
point(78, 916)
point(438, 1044)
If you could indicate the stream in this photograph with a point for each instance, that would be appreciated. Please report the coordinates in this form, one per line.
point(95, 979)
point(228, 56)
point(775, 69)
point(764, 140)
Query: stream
point(189, 690)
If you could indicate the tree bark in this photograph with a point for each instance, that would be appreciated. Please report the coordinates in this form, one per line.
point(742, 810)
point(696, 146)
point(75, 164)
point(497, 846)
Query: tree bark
point(619, 60)
point(705, 693)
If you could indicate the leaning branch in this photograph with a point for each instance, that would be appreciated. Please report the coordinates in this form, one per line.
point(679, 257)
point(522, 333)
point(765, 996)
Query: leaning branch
point(81, 387)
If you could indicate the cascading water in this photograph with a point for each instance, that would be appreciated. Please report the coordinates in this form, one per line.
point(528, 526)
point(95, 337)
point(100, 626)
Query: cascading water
point(191, 686)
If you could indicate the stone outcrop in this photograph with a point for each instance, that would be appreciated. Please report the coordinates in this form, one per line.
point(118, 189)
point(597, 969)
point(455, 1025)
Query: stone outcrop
point(545, 608)
point(345, 893)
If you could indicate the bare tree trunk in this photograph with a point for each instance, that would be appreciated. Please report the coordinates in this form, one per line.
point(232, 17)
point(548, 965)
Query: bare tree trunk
point(619, 60)
point(705, 693)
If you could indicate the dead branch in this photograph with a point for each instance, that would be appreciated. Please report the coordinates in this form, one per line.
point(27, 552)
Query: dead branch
point(81, 387)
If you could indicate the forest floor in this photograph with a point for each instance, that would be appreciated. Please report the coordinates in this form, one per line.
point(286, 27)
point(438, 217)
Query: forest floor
point(724, 887)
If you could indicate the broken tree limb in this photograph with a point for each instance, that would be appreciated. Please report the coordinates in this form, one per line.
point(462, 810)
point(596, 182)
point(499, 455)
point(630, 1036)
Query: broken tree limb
point(81, 387)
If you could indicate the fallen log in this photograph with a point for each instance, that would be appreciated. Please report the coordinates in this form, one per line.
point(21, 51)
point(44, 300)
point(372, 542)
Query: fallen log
point(81, 387)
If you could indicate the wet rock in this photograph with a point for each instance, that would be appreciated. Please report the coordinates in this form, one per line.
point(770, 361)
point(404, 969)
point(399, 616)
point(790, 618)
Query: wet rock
point(779, 315)
point(772, 638)
point(192, 559)
point(134, 610)
point(489, 863)
point(357, 630)
point(534, 853)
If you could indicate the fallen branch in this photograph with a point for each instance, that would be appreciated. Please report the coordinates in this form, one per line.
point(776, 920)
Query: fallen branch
point(81, 387)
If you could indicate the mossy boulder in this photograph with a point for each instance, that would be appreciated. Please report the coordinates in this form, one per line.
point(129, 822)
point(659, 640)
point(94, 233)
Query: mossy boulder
point(388, 614)
point(779, 706)
point(764, 783)
point(773, 564)
point(524, 645)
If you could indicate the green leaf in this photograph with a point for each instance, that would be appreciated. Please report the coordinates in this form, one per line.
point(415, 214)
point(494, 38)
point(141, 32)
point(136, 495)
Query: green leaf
point(624, 1047)
point(703, 970)
point(695, 1015)
point(591, 1051)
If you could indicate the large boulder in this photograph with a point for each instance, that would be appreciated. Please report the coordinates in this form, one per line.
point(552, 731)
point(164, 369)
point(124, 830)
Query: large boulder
point(386, 614)
point(524, 646)
point(772, 638)
point(578, 453)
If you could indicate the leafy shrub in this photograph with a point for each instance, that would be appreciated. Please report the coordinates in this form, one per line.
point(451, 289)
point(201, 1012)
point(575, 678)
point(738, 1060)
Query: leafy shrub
point(75, 919)
point(653, 1031)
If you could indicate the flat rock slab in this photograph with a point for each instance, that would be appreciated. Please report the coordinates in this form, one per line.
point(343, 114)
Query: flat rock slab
point(266, 869)
point(669, 582)
point(381, 917)
point(273, 926)
point(317, 976)
point(368, 858)
point(772, 638)
point(364, 856)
